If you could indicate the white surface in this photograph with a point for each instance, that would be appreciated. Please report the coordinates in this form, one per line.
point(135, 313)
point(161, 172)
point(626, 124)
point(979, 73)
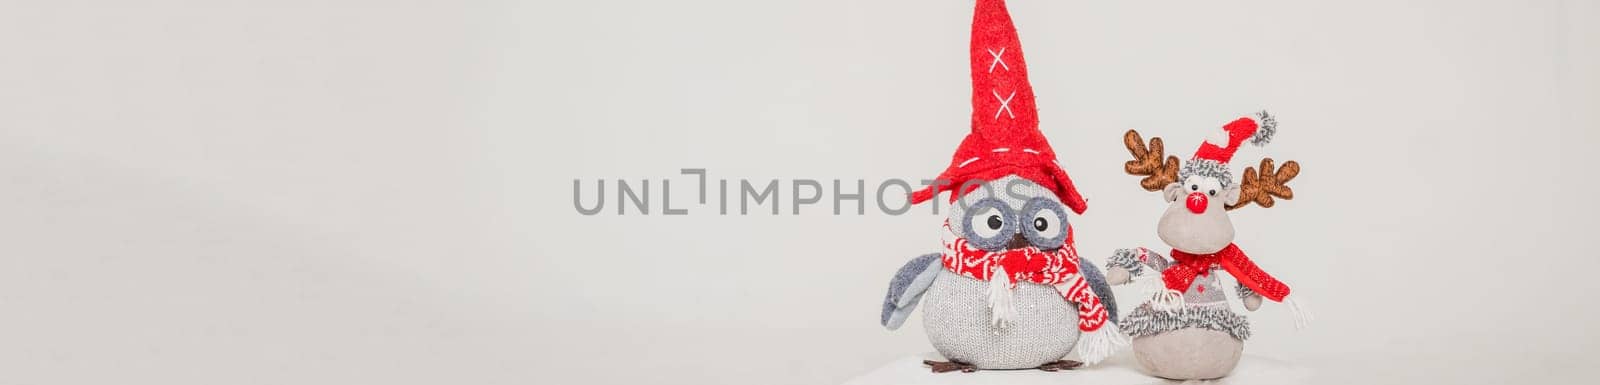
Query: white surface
point(1118, 370)
point(380, 192)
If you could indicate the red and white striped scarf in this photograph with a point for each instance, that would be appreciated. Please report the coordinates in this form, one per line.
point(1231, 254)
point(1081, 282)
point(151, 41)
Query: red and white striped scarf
point(1058, 268)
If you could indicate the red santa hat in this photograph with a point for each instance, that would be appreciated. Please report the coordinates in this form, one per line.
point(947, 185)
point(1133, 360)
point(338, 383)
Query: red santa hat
point(1005, 137)
point(1211, 159)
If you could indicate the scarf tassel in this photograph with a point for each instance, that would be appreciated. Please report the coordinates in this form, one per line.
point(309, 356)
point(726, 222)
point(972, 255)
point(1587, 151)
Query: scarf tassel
point(1167, 300)
point(1002, 305)
point(1301, 313)
point(1097, 345)
point(1161, 298)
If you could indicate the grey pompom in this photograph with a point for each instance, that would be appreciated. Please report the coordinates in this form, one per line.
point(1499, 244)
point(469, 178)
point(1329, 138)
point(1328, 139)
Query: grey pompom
point(1269, 126)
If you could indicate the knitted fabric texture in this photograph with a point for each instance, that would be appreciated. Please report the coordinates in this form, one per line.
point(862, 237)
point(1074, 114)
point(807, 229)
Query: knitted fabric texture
point(1145, 321)
point(1101, 288)
point(1243, 291)
point(1212, 157)
point(1134, 260)
point(1124, 258)
point(956, 319)
point(1237, 131)
point(1188, 266)
point(1206, 289)
point(1207, 168)
point(1269, 126)
point(1005, 137)
point(1029, 264)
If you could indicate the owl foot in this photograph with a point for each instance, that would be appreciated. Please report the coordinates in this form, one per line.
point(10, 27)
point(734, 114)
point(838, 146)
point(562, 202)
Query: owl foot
point(953, 365)
point(1060, 365)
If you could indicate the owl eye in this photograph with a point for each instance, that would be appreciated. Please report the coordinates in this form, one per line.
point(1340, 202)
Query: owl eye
point(1046, 223)
point(1047, 228)
point(991, 225)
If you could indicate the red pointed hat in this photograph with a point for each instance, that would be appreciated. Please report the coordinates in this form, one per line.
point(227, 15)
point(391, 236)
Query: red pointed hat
point(1211, 159)
point(1220, 145)
point(1005, 137)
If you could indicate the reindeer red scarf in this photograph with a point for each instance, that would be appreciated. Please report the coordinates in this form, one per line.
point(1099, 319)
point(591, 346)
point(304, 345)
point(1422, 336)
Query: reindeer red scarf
point(1187, 266)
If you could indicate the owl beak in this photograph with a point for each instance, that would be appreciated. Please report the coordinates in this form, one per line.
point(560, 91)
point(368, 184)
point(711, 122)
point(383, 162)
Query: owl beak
point(1017, 242)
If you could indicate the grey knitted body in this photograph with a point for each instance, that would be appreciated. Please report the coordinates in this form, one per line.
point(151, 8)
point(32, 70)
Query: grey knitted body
point(1206, 290)
point(956, 317)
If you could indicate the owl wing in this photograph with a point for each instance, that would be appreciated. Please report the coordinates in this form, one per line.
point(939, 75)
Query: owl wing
point(907, 287)
point(1102, 289)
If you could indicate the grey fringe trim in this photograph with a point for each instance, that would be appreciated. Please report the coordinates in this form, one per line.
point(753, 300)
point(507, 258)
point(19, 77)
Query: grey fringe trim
point(1206, 167)
point(1125, 259)
point(1268, 126)
point(1145, 322)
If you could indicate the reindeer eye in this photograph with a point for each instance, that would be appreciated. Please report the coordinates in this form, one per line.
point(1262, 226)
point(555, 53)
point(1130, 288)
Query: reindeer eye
point(1212, 192)
point(1194, 187)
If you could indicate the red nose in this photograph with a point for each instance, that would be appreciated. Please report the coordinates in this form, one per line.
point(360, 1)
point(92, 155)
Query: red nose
point(1197, 202)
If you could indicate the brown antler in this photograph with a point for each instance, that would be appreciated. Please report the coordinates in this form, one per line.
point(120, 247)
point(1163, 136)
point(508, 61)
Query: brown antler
point(1261, 188)
point(1147, 162)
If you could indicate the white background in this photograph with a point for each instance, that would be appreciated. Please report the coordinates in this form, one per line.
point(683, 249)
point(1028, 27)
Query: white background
point(381, 191)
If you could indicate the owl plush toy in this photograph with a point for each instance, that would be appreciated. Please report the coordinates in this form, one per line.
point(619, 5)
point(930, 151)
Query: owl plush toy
point(1008, 291)
point(1187, 331)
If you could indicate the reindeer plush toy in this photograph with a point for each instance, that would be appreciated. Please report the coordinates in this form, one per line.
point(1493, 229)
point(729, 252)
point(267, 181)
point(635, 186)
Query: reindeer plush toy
point(1188, 331)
